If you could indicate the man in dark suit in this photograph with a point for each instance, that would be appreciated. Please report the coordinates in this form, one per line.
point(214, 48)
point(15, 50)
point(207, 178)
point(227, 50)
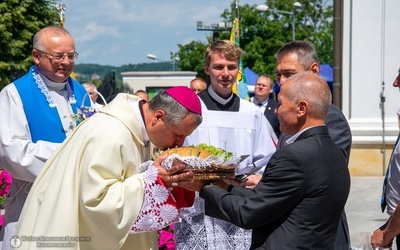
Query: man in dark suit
point(263, 89)
point(299, 56)
point(303, 190)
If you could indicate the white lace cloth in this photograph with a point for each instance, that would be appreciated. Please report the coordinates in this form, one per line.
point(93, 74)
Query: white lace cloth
point(156, 212)
point(196, 162)
point(197, 231)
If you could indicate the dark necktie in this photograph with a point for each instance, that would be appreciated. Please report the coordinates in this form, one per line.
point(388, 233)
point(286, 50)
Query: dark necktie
point(383, 199)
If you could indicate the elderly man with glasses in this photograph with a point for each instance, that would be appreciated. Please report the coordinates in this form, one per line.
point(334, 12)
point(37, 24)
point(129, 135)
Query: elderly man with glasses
point(37, 113)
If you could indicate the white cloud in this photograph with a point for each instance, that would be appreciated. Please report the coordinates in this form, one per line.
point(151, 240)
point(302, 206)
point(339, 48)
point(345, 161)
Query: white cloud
point(93, 31)
point(116, 32)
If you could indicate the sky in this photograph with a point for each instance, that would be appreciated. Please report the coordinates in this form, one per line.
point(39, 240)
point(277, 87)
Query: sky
point(119, 32)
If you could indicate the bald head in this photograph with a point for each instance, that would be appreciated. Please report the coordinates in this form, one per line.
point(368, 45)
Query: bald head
point(198, 85)
point(42, 37)
point(142, 94)
point(312, 88)
point(304, 101)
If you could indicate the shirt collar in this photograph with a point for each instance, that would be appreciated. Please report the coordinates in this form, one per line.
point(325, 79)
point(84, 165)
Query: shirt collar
point(264, 103)
point(53, 85)
point(217, 98)
point(135, 107)
point(295, 136)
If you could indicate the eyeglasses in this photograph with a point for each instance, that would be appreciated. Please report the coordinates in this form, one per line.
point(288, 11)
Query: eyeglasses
point(60, 56)
point(262, 85)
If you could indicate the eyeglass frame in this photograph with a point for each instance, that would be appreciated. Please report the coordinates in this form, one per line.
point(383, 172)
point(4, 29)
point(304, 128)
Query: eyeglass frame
point(54, 55)
point(263, 85)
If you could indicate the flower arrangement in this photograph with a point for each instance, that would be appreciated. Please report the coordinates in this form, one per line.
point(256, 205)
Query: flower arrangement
point(166, 238)
point(5, 184)
point(83, 113)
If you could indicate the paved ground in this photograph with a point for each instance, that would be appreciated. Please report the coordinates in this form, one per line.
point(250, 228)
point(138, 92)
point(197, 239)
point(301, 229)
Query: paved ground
point(363, 209)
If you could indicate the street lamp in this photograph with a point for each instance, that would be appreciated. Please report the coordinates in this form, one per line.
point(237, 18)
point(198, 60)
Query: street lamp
point(264, 8)
point(216, 28)
point(154, 57)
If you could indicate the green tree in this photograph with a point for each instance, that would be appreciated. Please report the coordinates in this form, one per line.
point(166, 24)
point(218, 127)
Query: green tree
point(19, 21)
point(96, 82)
point(263, 33)
point(109, 87)
point(191, 57)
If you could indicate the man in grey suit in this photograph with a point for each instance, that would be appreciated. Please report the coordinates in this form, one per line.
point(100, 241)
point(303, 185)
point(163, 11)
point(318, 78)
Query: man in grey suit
point(301, 195)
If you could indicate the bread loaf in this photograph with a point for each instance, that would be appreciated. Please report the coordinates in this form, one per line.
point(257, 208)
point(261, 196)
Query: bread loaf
point(212, 172)
point(187, 151)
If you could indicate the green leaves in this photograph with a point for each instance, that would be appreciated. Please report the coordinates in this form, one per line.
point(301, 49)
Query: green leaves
point(192, 58)
point(263, 33)
point(215, 151)
point(19, 21)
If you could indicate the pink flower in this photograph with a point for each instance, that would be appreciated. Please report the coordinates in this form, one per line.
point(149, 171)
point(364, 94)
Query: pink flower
point(5, 182)
point(170, 245)
point(166, 239)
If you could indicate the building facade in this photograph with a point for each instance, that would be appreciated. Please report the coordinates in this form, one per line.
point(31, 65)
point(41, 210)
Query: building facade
point(370, 63)
point(154, 81)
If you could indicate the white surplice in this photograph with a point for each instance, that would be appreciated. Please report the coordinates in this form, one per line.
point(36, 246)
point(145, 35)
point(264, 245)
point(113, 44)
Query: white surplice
point(245, 132)
point(21, 157)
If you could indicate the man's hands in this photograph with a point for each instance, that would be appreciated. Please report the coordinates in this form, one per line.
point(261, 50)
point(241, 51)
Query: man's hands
point(196, 185)
point(192, 185)
point(383, 236)
point(253, 180)
point(176, 178)
point(379, 239)
point(249, 182)
point(170, 177)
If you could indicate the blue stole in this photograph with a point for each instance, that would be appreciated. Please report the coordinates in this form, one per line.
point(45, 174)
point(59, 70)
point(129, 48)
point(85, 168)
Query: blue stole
point(44, 121)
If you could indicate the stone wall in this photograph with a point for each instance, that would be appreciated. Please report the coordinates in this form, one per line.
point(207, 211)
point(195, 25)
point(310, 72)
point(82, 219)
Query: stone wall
point(367, 159)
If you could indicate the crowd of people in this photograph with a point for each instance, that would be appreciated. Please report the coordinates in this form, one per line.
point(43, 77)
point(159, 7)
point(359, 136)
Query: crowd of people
point(98, 182)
